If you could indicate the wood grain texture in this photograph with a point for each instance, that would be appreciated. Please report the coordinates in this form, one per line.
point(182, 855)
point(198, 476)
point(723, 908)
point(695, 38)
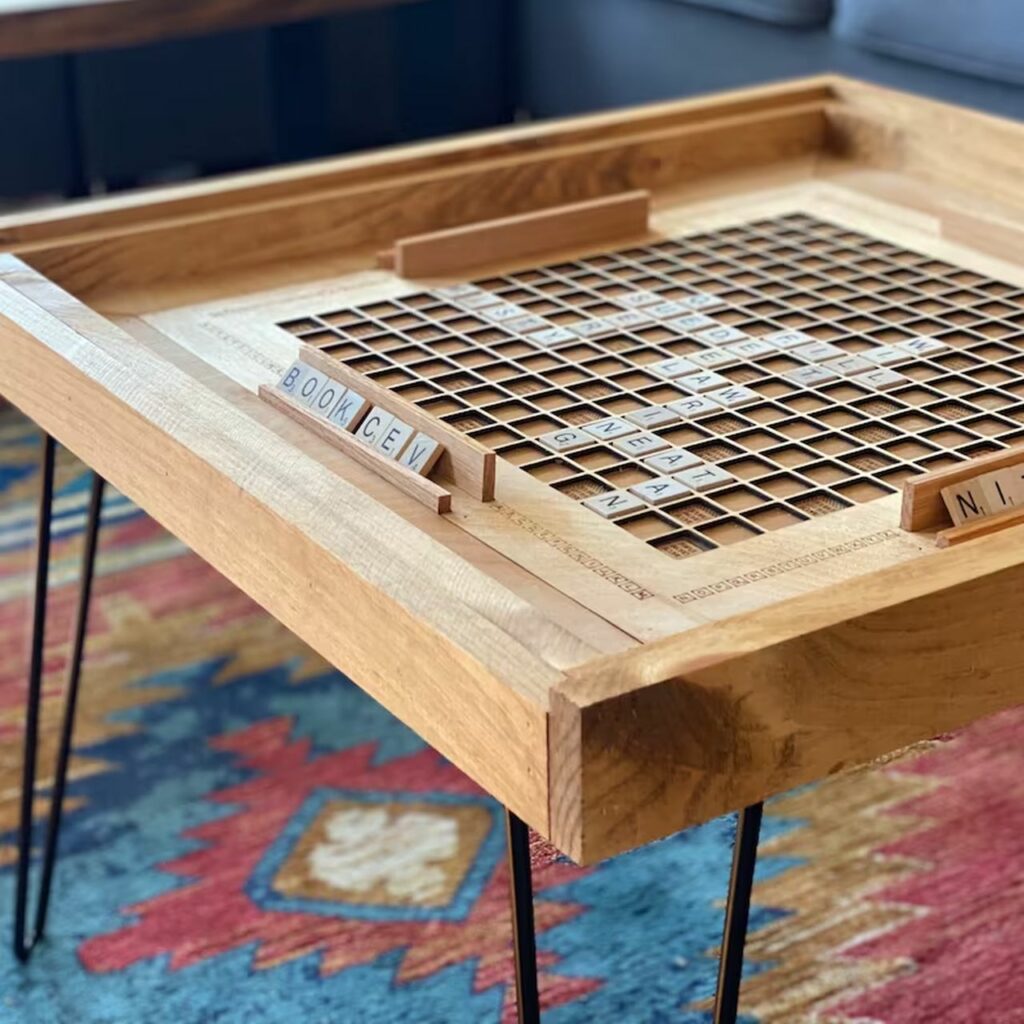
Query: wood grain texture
point(217, 196)
point(426, 492)
point(30, 28)
point(472, 246)
point(728, 714)
point(873, 126)
point(428, 198)
point(923, 507)
point(467, 463)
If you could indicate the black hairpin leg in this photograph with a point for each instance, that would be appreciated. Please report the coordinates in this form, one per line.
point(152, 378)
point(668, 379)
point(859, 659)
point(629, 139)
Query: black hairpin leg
point(524, 937)
point(23, 941)
point(737, 914)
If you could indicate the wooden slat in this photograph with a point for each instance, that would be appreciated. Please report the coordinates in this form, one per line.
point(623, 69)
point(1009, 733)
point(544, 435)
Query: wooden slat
point(606, 219)
point(426, 492)
point(923, 507)
point(980, 528)
point(467, 463)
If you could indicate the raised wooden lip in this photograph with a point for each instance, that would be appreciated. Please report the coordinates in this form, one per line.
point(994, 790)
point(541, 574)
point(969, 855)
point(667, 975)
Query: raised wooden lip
point(914, 633)
point(311, 180)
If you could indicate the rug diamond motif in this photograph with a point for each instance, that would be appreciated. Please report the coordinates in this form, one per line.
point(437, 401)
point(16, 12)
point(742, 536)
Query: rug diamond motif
point(381, 856)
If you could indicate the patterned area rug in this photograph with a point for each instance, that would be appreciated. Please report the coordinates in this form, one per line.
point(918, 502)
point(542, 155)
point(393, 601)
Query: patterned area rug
point(251, 839)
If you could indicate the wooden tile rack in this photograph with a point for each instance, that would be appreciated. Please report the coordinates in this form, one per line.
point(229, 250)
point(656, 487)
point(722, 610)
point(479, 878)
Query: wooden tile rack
point(465, 462)
point(416, 486)
point(579, 225)
point(923, 505)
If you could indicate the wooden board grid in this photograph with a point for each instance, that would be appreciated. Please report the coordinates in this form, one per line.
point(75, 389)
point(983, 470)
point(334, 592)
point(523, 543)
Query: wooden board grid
point(796, 452)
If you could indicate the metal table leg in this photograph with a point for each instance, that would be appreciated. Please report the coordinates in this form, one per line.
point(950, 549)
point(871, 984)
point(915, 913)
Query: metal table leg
point(737, 914)
point(524, 937)
point(24, 942)
point(737, 917)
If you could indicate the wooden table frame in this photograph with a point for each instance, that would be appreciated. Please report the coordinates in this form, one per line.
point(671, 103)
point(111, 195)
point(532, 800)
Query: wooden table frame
point(598, 736)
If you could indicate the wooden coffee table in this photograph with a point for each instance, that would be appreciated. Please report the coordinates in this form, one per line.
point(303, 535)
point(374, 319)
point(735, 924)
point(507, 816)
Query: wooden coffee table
point(610, 674)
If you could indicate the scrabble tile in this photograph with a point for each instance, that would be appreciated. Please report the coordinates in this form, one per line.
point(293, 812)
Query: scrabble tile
point(787, 339)
point(734, 396)
point(884, 355)
point(660, 490)
point(672, 461)
point(705, 380)
point(671, 368)
point(665, 310)
point(349, 411)
point(610, 428)
point(922, 346)
point(711, 358)
point(751, 348)
point(701, 300)
point(640, 298)
point(477, 300)
point(552, 337)
point(721, 335)
point(690, 323)
point(394, 438)
point(881, 378)
point(818, 352)
point(697, 405)
point(704, 478)
point(292, 378)
point(1003, 489)
point(641, 444)
point(376, 421)
point(848, 365)
point(504, 311)
point(526, 324)
point(592, 328)
point(310, 386)
point(566, 440)
point(810, 376)
point(614, 504)
point(965, 501)
point(455, 291)
point(628, 318)
point(652, 416)
point(327, 397)
point(420, 454)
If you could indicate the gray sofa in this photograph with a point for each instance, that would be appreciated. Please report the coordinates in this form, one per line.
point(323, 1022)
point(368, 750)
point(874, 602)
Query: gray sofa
point(585, 55)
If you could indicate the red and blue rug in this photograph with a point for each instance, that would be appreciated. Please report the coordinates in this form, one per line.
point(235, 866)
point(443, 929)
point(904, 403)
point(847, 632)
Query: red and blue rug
point(252, 840)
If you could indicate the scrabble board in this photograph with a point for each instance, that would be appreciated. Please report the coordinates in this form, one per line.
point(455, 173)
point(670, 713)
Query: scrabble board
point(707, 389)
point(685, 585)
